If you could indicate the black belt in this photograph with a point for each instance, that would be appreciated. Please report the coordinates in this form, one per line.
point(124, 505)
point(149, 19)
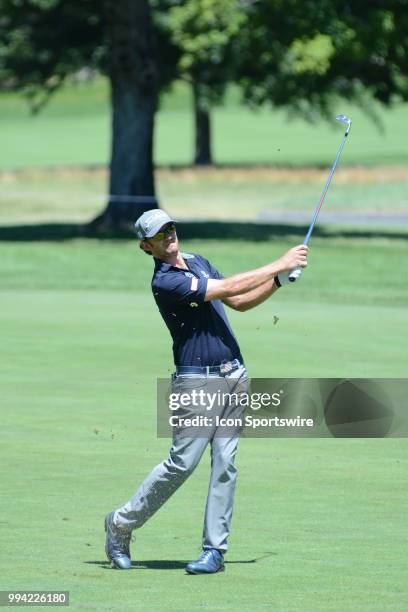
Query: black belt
point(218, 370)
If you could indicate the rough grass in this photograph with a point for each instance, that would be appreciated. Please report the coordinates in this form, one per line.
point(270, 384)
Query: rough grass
point(318, 524)
point(78, 194)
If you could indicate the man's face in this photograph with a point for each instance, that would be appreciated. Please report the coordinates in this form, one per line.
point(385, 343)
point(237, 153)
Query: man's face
point(164, 243)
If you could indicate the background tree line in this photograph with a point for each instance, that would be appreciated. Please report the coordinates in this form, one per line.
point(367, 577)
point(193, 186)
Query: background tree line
point(296, 54)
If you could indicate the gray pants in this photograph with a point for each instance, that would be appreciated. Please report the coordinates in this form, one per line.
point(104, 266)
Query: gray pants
point(184, 456)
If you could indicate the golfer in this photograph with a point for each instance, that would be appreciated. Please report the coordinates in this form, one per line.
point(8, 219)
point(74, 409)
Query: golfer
point(190, 294)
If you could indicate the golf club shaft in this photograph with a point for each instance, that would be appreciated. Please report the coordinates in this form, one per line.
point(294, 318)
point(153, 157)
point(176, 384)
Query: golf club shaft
point(325, 190)
point(294, 275)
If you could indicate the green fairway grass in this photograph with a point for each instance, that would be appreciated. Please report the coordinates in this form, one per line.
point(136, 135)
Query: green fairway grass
point(74, 128)
point(318, 524)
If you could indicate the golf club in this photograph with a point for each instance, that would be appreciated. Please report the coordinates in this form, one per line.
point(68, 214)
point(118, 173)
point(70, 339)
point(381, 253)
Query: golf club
point(294, 275)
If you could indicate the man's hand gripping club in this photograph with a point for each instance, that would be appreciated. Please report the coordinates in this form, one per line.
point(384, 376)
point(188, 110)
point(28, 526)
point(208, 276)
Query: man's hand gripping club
point(268, 277)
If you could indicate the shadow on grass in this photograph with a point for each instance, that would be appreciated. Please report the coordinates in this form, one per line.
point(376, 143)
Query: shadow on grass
point(175, 564)
point(216, 230)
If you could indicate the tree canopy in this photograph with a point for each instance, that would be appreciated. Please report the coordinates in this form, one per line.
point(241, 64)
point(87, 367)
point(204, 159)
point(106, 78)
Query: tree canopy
point(44, 41)
point(302, 54)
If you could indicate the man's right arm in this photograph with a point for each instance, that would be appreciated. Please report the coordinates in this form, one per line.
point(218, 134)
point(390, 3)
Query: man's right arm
point(247, 281)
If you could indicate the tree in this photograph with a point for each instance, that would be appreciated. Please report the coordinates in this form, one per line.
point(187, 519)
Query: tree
point(297, 54)
point(207, 33)
point(44, 41)
point(134, 75)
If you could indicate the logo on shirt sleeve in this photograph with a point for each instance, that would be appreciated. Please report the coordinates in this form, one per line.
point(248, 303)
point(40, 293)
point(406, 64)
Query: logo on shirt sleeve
point(194, 281)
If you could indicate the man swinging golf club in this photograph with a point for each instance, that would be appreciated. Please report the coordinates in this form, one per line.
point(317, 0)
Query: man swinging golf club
point(190, 294)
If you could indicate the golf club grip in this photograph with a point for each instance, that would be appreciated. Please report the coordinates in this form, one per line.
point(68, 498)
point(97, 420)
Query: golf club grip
point(294, 275)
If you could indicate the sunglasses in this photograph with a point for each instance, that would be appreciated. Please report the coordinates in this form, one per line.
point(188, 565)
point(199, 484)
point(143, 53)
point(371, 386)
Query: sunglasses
point(166, 231)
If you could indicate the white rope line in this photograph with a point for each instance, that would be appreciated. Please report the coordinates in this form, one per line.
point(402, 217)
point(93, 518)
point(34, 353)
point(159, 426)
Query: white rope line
point(130, 198)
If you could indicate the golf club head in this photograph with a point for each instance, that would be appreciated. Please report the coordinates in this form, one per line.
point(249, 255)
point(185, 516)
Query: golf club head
point(344, 119)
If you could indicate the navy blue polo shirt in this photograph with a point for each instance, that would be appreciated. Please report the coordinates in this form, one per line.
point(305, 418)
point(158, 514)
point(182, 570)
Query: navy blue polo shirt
point(202, 335)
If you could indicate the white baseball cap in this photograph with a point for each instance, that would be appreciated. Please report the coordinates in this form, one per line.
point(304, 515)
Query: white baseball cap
point(150, 223)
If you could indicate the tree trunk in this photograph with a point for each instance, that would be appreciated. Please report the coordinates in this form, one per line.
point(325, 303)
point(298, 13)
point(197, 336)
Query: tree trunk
point(202, 154)
point(133, 75)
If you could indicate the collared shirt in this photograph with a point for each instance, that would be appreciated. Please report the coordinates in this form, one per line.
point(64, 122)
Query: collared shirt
point(202, 335)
